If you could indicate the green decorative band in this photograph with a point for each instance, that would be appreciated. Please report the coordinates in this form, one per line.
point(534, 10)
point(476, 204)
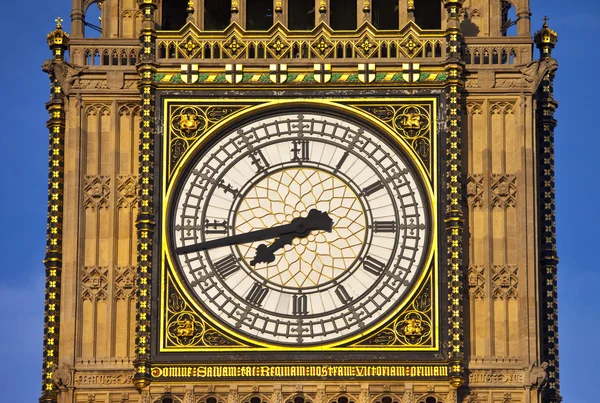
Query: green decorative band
point(295, 78)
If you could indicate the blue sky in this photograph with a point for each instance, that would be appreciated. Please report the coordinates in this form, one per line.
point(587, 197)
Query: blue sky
point(23, 173)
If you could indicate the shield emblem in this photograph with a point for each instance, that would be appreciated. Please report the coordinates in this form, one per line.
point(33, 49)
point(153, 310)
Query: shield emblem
point(234, 73)
point(189, 73)
point(322, 73)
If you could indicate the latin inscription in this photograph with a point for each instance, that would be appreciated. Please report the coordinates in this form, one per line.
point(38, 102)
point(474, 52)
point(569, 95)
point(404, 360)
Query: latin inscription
point(307, 371)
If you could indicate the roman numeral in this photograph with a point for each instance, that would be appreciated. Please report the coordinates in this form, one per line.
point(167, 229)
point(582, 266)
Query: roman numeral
point(300, 305)
point(259, 161)
point(300, 150)
point(257, 294)
point(373, 266)
point(343, 294)
point(227, 266)
point(384, 226)
point(373, 188)
point(342, 160)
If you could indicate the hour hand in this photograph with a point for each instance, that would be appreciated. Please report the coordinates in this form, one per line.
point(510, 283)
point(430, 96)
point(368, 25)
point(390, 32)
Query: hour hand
point(315, 221)
point(266, 254)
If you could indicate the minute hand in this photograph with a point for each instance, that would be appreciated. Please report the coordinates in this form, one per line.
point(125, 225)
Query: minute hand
point(298, 226)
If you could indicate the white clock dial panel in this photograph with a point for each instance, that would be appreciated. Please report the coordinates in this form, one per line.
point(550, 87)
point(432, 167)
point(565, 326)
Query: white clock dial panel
point(299, 229)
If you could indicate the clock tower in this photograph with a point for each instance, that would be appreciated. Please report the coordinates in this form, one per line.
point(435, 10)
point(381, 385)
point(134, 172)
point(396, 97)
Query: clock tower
point(320, 201)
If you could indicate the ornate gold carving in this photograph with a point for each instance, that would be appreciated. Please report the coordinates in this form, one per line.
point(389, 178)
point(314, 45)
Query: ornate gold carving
point(411, 46)
point(188, 123)
point(189, 46)
point(475, 190)
point(366, 46)
point(322, 7)
point(322, 46)
point(185, 328)
point(97, 192)
point(278, 47)
point(412, 327)
point(234, 47)
point(411, 122)
point(504, 190)
point(94, 283)
point(505, 281)
point(476, 280)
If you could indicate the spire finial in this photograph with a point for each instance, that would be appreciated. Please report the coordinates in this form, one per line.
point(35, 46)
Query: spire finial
point(190, 9)
point(59, 22)
point(545, 39)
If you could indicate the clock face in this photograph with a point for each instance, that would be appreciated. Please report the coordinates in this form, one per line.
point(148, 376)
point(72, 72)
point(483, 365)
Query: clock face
point(299, 229)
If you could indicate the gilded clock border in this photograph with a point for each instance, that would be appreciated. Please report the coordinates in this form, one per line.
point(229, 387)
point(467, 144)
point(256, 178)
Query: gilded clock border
point(428, 175)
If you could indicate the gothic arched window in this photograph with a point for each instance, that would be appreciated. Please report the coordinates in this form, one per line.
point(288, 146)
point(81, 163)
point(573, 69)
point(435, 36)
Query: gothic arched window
point(301, 15)
point(387, 399)
point(217, 14)
point(342, 399)
point(174, 14)
point(385, 14)
point(297, 399)
point(342, 14)
point(428, 14)
point(509, 19)
point(93, 21)
point(259, 15)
